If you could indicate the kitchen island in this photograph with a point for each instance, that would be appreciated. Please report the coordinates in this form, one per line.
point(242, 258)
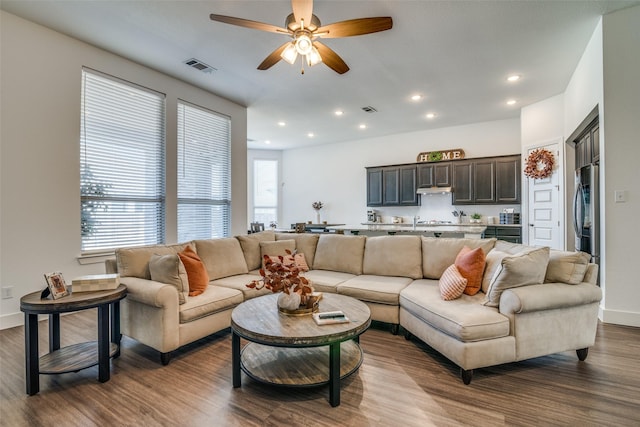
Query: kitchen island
point(469, 231)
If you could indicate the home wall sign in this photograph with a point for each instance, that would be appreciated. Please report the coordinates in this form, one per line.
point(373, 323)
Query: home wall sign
point(440, 156)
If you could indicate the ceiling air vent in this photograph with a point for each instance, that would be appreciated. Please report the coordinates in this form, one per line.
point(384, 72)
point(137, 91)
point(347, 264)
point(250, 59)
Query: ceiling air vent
point(199, 65)
point(369, 109)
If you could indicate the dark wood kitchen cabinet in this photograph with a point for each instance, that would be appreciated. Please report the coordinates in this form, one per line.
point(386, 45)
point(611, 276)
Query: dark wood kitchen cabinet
point(489, 181)
point(392, 186)
point(511, 234)
point(434, 175)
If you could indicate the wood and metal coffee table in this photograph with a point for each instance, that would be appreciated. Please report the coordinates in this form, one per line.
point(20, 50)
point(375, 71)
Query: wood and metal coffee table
point(293, 350)
point(77, 356)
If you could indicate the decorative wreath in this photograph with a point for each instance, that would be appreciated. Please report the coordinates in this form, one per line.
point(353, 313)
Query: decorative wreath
point(539, 164)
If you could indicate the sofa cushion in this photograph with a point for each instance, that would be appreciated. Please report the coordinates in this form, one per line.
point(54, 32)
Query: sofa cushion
point(516, 271)
point(213, 300)
point(196, 271)
point(470, 264)
point(276, 248)
point(134, 262)
point(337, 252)
point(305, 243)
point(452, 284)
point(438, 253)
point(223, 257)
point(567, 267)
point(239, 282)
point(378, 289)
point(250, 245)
point(170, 270)
point(393, 256)
point(465, 318)
point(327, 281)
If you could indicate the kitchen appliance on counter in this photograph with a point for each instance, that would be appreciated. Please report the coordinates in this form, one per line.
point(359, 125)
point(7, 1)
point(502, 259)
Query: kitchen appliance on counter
point(372, 216)
point(586, 211)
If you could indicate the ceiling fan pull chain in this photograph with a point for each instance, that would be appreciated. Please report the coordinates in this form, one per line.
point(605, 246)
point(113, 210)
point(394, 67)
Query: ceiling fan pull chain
point(302, 58)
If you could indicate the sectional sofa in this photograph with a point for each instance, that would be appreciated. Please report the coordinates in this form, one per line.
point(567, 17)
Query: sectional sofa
point(533, 301)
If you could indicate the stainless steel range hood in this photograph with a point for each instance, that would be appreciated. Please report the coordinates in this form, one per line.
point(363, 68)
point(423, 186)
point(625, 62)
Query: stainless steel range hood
point(434, 190)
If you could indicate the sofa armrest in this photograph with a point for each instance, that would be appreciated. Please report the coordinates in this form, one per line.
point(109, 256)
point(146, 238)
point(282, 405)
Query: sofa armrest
point(548, 296)
point(151, 293)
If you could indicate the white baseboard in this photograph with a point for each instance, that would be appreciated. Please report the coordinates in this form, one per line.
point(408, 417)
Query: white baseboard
point(618, 317)
point(11, 320)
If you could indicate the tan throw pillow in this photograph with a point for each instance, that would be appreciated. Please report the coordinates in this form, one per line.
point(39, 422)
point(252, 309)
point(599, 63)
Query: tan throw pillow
point(170, 270)
point(451, 283)
point(516, 271)
point(297, 259)
point(276, 248)
point(250, 244)
point(196, 271)
point(470, 264)
point(567, 267)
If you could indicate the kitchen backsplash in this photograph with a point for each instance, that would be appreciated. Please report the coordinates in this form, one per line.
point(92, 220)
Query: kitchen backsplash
point(438, 207)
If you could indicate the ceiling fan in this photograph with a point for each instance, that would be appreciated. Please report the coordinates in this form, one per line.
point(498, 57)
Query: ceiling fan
point(305, 29)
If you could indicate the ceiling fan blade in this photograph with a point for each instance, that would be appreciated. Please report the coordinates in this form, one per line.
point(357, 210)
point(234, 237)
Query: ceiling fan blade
point(247, 23)
point(302, 10)
point(355, 27)
point(331, 59)
point(273, 58)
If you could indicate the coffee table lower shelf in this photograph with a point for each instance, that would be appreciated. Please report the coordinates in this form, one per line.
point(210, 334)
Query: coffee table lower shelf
point(296, 366)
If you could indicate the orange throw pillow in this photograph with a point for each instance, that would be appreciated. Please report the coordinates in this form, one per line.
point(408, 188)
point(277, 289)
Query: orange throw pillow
point(196, 271)
point(470, 264)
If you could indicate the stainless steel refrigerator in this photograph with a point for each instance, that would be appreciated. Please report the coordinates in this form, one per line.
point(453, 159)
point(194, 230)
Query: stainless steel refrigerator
point(586, 211)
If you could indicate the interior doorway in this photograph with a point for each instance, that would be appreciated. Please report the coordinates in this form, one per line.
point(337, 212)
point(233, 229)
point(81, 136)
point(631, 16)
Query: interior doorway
point(544, 201)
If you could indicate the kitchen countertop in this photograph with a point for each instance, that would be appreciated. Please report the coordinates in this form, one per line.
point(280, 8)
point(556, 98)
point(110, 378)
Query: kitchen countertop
point(465, 224)
point(404, 227)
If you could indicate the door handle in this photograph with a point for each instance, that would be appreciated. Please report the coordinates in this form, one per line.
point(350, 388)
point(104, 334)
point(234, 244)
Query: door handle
point(530, 225)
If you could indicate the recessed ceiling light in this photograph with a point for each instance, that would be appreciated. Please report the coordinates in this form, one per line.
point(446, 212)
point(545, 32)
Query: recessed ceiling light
point(511, 102)
point(431, 115)
point(338, 112)
point(362, 126)
point(310, 135)
point(281, 123)
point(513, 78)
point(416, 97)
point(267, 142)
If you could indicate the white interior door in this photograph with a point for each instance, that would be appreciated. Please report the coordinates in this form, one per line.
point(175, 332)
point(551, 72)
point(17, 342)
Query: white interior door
point(544, 209)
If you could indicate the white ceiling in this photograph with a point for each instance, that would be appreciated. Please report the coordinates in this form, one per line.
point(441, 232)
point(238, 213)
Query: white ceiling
point(455, 53)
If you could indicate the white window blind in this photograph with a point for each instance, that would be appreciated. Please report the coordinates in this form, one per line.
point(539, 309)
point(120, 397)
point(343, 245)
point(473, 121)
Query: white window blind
point(265, 191)
point(121, 164)
point(204, 173)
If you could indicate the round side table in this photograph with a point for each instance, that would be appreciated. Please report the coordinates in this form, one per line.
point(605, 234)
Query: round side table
point(77, 356)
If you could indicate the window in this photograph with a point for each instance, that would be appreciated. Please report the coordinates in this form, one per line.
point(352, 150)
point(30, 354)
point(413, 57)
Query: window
point(121, 164)
point(204, 174)
point(265, 191)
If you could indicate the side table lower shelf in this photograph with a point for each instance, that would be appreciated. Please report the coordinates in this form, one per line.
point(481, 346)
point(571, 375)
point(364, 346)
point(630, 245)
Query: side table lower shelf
point(73, 358)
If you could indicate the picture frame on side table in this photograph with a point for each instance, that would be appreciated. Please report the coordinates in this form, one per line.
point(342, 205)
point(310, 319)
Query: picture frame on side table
point(57, 286)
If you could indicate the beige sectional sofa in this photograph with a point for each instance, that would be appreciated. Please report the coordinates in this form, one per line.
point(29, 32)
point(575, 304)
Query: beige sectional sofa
point(533, 302)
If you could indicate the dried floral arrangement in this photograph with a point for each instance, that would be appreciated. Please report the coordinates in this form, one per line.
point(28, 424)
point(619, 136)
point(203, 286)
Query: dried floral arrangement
point(317, 205)
point(282, 276)
point(537, 158)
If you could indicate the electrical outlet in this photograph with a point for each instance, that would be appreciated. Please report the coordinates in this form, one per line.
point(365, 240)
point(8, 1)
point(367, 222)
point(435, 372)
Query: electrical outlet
point(7, 292)
point(621, 196)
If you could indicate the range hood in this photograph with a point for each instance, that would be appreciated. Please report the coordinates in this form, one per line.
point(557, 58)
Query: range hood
point(434, 190)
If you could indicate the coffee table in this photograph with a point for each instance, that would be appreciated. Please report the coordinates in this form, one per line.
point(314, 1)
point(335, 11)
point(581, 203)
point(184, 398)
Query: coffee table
point(293, 350)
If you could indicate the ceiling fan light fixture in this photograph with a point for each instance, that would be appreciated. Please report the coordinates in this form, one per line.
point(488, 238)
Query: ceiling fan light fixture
point(290, 53)
point(303, 44)
point(313, 57)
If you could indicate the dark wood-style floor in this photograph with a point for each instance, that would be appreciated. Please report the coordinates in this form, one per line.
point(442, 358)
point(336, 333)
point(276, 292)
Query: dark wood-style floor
point(401, 383)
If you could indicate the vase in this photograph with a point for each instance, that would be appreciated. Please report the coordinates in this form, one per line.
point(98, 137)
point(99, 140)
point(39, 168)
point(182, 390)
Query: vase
point(318, 217)
point(290, 301)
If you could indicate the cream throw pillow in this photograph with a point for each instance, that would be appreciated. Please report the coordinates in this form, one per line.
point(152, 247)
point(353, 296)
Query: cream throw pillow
point(567, 267)
point(516, 271)
point(276, 248)
point(170, 270)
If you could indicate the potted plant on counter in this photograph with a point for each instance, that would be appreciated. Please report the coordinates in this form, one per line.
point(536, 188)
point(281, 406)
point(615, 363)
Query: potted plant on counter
point(475, 218)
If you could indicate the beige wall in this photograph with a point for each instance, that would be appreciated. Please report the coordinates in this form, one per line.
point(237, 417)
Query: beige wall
point(40, 127)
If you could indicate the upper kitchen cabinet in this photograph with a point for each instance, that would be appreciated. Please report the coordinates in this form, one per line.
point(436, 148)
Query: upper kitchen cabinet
point(434, 175)
point(588, 146)
point(487, 181)
point(508, 180)
point(392, 186)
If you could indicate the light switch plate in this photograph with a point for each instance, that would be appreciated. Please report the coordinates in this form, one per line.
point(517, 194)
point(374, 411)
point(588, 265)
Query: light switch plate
point(621, 196)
